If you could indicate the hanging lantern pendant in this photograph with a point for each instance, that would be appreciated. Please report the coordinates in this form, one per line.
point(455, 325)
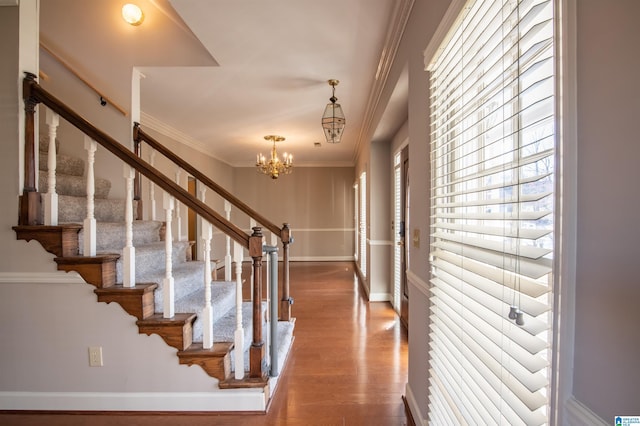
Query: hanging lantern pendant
point(333, 120)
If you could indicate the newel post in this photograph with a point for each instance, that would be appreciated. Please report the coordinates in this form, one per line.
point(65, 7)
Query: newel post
point(30, 199)
point(256, 354)
point(286, 301)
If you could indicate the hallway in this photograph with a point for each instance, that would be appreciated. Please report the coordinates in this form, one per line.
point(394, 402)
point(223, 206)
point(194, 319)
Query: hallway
point(348, 364)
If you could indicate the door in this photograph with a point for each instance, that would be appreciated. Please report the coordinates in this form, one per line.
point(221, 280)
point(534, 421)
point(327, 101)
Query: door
point(402, 230)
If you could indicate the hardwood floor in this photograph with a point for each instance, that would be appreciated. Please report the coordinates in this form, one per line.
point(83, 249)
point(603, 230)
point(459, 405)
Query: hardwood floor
point(348, 364)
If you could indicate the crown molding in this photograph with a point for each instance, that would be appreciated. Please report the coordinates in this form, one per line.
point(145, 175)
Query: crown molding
point(395, 32)
point(153, 123)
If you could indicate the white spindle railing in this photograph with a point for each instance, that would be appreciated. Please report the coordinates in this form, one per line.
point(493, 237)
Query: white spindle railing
point(207, 313)
point(89, 224)
point(227, 257)
point(168, 293)
point(152, 189)
point(51, 197)
point(238, 252)
point(129, 251)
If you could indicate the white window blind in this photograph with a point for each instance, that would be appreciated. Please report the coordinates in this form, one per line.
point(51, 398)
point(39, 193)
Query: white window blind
point(356, 196)
point(397, 239)
point(492, 240)
point(363, 223)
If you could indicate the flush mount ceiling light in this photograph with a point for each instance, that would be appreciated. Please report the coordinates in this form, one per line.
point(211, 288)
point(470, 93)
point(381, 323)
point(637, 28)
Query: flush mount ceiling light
point(274, 167)
point(132, 14)
point(333, 120)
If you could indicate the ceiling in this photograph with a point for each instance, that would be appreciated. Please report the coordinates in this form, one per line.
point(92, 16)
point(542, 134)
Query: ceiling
point(220, 75)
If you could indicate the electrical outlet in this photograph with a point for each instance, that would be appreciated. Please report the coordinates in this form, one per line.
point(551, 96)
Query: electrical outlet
point(95, 356)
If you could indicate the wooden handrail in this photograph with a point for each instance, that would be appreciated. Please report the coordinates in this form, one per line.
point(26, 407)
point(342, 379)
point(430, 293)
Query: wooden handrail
point(73, 71)
point(140, 135)
point(34, 93)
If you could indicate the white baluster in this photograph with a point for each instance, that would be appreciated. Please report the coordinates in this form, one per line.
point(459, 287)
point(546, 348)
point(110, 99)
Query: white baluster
point(239, 333)
point(227, 257)
point(202, 193)
point(168, 294)
point(178, 210)
point(152, 187)
point(206, 230)
point(90, 221)
point(129, 251)
point(207, 313)
point(51, 197)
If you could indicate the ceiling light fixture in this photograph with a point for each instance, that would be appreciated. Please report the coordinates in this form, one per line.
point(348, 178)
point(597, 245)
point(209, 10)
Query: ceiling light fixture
point(274, 167)
point(132, 14)
point(333, 120)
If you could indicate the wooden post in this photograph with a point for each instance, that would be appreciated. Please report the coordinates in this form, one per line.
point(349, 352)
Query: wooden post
point(285, 302)
point(256, 354)
point(30, 199)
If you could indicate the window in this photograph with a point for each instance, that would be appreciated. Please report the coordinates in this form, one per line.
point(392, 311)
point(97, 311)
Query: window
point(492, 223)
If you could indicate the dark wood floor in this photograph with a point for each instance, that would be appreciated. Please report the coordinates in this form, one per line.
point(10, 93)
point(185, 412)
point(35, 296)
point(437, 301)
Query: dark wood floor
point(348, 364)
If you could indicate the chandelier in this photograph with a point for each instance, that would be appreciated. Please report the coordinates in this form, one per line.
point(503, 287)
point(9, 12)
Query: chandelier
point(274, 167)
point(333, 120)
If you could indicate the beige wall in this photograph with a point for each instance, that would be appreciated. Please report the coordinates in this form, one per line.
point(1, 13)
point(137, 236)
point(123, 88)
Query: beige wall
point(317, 202)
point(607, 342)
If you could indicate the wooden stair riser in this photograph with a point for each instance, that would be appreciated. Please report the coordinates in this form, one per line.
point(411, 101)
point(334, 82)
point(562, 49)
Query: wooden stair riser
point(176, 331)
point(97, 270)
point(216, 362)
point(59, 240)
point(136, 301)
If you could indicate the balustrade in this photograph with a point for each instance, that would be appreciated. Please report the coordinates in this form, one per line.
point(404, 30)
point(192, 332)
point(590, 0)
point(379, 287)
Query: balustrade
point(173, 196)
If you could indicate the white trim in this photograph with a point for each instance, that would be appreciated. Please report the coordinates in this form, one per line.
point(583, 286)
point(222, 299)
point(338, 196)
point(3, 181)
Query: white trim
point(578, 414)
point(379, 297)
point(41, 278)
point(322, 258)
point(399, 20)
point(413, 407)
point(566, 200)
point(442, 32)
point(323, 230)
point(380, 242)
point(175, 134)
point(228, 400)
point(418, 283)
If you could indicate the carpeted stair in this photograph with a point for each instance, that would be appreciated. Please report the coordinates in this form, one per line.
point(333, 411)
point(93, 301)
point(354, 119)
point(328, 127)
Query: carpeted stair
point(150, 254)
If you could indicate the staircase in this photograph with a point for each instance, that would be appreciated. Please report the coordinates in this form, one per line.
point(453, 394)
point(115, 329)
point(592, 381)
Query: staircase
point(183, 331)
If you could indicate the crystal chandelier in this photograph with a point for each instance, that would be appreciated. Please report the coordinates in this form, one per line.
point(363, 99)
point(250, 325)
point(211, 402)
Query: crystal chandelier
point(333, 120)
point(274, 167)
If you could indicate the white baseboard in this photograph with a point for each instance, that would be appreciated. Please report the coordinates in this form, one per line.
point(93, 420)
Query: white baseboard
point(321, 258)
point(59, 277)
point(413, 407)
point(578, 414)
point(379, 297)
point(226, 401)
